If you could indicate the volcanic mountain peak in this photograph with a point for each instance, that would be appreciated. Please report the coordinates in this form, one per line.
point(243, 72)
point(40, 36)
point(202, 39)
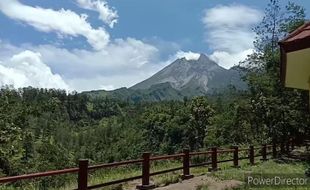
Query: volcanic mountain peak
point(202, 74)
point(194, 77)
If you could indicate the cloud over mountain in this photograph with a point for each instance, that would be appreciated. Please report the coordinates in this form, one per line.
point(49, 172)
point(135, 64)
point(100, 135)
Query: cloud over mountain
point(187, 55)
point(229, 32)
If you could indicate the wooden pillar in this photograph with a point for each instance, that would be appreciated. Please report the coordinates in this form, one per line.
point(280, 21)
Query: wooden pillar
point(287, 147)
point(83, 175)
point(146, 173)
point(293, 144)
point(186, 165)
point(264, 152)
point(282, 148)
point(236, 156)
point(251, 155)
point(213, 159)
point(274, 150)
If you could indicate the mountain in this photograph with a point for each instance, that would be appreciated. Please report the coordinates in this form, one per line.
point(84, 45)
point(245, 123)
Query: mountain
point(201, 76)
point(179, 79)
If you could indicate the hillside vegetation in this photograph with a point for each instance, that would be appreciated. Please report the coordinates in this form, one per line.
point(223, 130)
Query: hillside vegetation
point(49, 129)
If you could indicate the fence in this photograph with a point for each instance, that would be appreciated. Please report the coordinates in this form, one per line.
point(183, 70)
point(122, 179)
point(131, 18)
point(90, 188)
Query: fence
point(146, 160)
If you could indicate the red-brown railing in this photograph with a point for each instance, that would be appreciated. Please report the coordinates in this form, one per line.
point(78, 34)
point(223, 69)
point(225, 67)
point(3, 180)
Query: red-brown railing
point(146, 160)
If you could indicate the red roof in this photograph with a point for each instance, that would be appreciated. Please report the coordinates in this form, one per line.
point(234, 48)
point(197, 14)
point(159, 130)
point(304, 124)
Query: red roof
point(298, 39)
point(298, 34)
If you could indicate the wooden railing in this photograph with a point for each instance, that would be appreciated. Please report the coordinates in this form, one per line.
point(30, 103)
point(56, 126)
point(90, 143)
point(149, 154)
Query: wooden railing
point(146, 160)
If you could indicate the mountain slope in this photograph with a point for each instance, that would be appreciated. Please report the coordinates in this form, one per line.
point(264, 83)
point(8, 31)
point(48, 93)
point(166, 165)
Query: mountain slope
point(202, 75)
point(157, 92)
point(177, 80)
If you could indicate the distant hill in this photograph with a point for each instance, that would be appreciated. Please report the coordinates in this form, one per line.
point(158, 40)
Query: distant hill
point(158, 92)
point(179, 79)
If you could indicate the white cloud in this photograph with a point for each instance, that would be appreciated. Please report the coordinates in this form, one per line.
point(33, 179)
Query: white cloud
point(119, 55)
point(225, 59)
point(187, 55)
point(123, 63)
point(106, 14)
point(229, 32)
point(107, 87)
point(114, 64)
point(113, 81)
point(63, 22)
point(27, 69)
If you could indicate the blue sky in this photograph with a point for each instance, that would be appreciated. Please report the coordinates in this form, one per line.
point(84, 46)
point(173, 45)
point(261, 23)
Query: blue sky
point(98, 44)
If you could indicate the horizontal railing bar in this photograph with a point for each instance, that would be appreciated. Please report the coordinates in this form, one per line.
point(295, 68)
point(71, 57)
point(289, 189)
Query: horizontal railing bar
point(222, 161)
point(37, 175)
point(199, 153)
point(165, 157)
point(165, 171)
point(243, 149)
point(200, 164)
point(74, 170)
point(226, 151)
point(114, 164)
point(114, 182)
point(243, 158)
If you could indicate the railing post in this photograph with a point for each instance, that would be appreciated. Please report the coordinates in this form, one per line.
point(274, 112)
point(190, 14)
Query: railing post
point(287, 147)
point(282, 148)
point(186, 165)
point(83, 174)
point(236, 156)
point(293, 144)
point(264, 152)
point(251, 155)
point(307, 145)
point(274, 150)
point(214, 159)
point(146, 173)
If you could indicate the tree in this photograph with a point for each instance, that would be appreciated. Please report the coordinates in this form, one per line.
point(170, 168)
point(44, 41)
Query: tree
point(201, 114)
point(12, 116)
point(274, 108)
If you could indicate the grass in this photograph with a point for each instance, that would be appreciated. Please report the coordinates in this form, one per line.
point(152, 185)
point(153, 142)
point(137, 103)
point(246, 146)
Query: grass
point(269, 167)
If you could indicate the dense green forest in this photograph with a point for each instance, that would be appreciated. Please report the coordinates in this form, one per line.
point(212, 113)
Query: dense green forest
point(45, 129)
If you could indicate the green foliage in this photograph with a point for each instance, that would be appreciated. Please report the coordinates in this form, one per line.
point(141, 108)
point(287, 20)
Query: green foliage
point(43, 129)
point(274, 110)
point(200, 118)
point(10, 129)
